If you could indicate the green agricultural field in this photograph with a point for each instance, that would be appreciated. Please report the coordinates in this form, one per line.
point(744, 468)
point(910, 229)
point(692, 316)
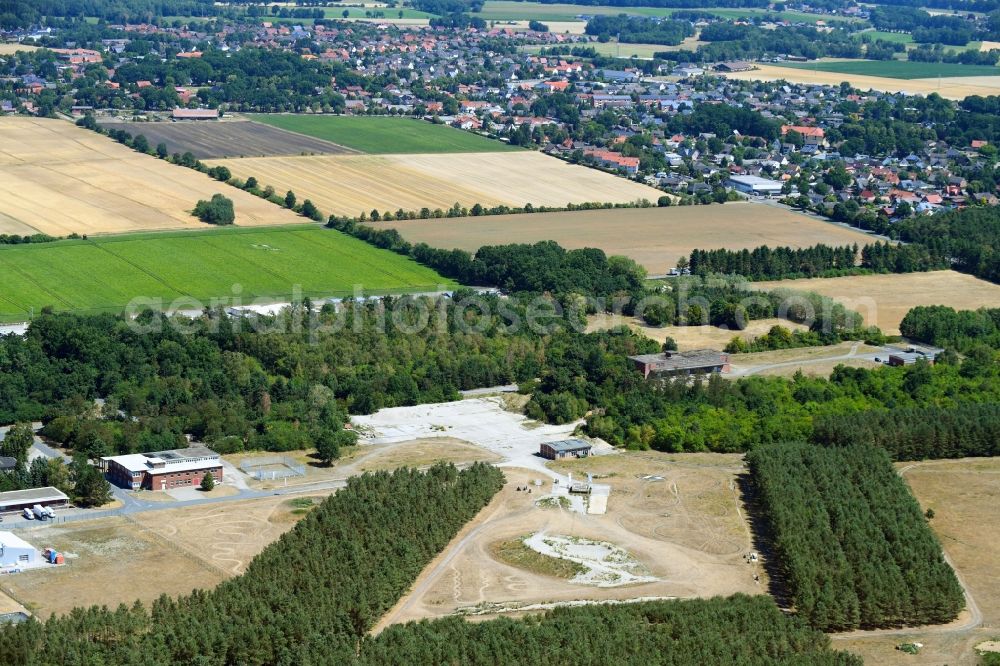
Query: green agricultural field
point(884, 36)
point(509, 10)
point(895, 69)
point(390, 13)
point(377, 135)
point(107, 273)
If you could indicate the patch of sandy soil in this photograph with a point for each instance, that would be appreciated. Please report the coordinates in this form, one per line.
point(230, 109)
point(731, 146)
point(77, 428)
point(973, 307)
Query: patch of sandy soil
point(605, 564)
point(690, 337)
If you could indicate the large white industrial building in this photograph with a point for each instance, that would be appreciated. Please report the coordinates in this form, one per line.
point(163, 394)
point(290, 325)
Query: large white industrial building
point(16, 552)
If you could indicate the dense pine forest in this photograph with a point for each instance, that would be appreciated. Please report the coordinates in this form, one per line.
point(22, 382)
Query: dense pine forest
point(917, 433)
point(851, 542)
point(765, 263)
point(966, 331)
point(733, 630)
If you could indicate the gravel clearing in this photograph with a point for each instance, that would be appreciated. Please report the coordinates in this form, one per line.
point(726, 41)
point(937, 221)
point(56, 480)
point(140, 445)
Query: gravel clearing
point(607, 564)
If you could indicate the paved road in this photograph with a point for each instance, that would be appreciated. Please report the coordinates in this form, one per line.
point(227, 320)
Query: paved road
point(883, 353)
point(132, 504)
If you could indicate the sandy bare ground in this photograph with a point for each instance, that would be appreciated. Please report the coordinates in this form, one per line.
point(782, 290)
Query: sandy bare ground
point(690, 337)
point(884, 300)
point(8, 605)
point(654, 237)
point(965, 497)
point(951, 88)
point(102, 555)
point(191, 547)
point(684, 523)
point(351, 184)
point(58, 179)
point(226, 536)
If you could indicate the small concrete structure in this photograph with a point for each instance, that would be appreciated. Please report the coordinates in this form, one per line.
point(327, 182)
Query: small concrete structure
point(566, 448)
point(694, 362)
point(915, 353)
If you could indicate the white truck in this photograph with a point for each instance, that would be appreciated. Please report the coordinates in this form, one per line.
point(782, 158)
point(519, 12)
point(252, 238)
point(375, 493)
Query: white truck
point(28, 515)
point(41, 513)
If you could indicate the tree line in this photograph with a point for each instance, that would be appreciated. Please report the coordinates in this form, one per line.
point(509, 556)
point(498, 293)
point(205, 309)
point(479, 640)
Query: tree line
point(541, 267)
point(785, 263)
point(639, 29)
point(750, 42)
point(917, 433)
point(967, 331)
point(853, 546)
point(737, 630)
point(765, 263)
point(780, 337)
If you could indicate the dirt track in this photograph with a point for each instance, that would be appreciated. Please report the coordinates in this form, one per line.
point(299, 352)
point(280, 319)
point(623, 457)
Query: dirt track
point(685, 527)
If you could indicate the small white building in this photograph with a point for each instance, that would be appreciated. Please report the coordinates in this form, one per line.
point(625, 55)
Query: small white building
point(16, 552)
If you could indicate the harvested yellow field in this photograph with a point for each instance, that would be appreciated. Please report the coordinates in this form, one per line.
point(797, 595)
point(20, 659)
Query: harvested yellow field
point(58, 179)
point(350, 184)
point(884, 300)
point(654, 237)
point(988, 46)
point(7, 49)
point(951, 88)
